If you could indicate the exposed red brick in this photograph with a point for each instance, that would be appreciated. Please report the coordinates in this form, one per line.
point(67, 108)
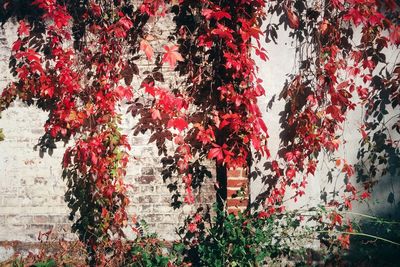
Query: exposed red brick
point(237, 193)
point(234, 172)
point(235, 210)
point(238, 182)
point(237, 202)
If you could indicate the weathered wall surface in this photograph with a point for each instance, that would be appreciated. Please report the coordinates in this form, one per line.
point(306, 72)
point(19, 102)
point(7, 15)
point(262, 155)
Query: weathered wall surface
point(31, 188)
point(32, 191)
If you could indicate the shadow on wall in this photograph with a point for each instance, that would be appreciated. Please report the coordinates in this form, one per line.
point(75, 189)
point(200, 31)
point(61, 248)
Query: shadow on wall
point(384, 205)
point(368, 251)
point(385, 199)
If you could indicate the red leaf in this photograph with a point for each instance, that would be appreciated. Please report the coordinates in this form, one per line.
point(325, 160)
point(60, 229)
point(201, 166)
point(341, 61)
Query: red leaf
point(363, 132)
point(17, 45)
point(124, 92)
point(263, 214)
point(289, 156)
point(335, 112)
point(216, 152)
point(262, 125)
point(365, 195)
point(206, 136)
point(218, 15)
point(172, 55)
point(147, 49)
point(150, 89)
point(354, 15)
point(155, 114)
point(263, 56)
point(126, 23)
point(394, 35)
point(192, 227)
point(223, 124)
point(23, 28)
point(290, 173)
point(189, 198)
point(342, 85)
point(344, 241)
point(293, 19)
point(247, 32)
point(336, 218)
point(178, 123)
point(96, 9)
point(223, 32)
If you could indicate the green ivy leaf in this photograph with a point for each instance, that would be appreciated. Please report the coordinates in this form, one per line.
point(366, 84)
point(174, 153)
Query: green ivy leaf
point(49, 263)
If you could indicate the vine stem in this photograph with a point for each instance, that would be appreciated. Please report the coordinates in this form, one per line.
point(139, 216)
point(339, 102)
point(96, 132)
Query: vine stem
point(362, 234)
point(369, 216)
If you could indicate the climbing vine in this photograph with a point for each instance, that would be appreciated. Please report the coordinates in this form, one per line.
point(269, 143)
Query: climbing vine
point(76, 60)
point(214, 112)
point(337, 73)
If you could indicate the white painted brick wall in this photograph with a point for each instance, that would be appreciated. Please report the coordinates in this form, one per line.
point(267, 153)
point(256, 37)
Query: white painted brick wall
point(31, 188)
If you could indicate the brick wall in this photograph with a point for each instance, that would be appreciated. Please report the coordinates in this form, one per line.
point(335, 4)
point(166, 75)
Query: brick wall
point(31, 188)
point(237, 190)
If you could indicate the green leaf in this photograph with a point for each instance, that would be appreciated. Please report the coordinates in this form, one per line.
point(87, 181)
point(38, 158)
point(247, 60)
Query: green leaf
point(179, 247)
point(49, 263)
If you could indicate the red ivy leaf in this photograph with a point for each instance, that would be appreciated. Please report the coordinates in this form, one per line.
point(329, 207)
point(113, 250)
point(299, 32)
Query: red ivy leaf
point(172, 55)
point(17, 45)
point(178, 123)
point(155, 114)
point(124, 92)
point(290, 173)
point(223, 124)
point(206, 136)
point(223, 32)
point(147, 49)
point(192, 227)
point(365, 195)
point(262, 125)
point(394, 35)
point(354, 15)
point(126, 23)
point(343, 85)
point(344, 241)
point(216, 152)
point(363, 132)
point(96, 9)
point(263, 214)
point(336, 218)
point(262, 55)
point(23, 28)
point(150, 89)
point(218, 15)
point(293, 19)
